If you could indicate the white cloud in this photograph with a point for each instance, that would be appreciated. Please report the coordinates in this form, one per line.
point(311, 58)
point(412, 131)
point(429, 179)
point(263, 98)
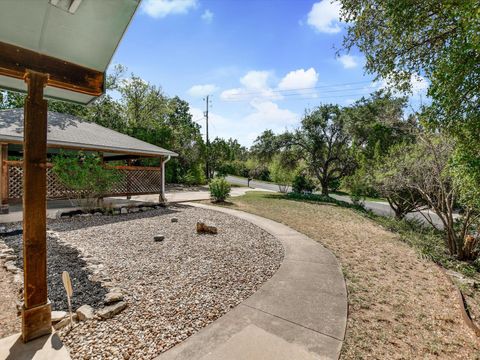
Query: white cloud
point(255, 85)
point(255, 80)
point(348, 61)
point(201, 90)
point(268, 114)
point(325, 16)
point(162, 8)
point(418, 86)
point(262, 115)
point(207, 16)
point(299, 79)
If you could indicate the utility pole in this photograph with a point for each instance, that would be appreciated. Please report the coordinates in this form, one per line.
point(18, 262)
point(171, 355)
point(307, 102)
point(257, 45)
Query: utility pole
point(208, 141)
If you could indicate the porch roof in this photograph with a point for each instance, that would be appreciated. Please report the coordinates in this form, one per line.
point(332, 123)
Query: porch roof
point(70, 132)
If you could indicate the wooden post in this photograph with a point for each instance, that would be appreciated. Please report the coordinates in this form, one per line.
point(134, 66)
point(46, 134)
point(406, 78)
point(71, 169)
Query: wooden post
point(36, 314)
point(3, 179)
point(129, 182)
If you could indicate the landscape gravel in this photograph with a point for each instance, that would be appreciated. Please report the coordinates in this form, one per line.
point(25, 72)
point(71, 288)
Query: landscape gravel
point(61, 258)
point(172, 288)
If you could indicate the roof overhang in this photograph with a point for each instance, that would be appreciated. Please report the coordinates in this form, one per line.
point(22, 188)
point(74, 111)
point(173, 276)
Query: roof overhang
point(71, 40)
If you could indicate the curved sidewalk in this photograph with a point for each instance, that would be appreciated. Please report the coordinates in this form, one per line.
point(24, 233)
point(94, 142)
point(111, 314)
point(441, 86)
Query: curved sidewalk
point(300, 313)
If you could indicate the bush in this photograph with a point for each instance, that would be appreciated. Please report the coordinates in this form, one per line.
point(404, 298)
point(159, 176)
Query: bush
point(302, 184)
point(219, 189)
point(281, 175)
point(86, 174)
point(194, 176)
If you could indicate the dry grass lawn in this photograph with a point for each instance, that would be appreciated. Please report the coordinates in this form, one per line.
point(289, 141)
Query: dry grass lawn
point(400, 306)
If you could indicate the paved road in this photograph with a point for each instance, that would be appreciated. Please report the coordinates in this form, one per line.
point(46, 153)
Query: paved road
point(378, 207)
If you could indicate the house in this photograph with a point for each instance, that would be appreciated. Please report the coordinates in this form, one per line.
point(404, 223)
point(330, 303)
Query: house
point(67, 133)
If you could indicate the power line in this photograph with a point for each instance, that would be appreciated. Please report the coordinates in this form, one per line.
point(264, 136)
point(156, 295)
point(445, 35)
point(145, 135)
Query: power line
point(280, 91)
point(305, 96)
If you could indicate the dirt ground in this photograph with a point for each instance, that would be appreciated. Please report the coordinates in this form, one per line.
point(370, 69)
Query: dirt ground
point(9, 322)
point(400, 306)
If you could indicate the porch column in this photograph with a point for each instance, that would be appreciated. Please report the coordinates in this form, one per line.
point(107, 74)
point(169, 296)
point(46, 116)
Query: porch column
point(163, 161)
point(3, 179)
point(36, 313)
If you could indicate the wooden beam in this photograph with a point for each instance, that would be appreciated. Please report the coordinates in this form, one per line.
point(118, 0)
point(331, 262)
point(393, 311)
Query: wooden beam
point(4, 179)
point(16, 62)
point(36, 314)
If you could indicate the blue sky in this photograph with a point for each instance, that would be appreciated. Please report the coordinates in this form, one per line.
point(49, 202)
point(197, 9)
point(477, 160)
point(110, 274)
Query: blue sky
point(263, 61)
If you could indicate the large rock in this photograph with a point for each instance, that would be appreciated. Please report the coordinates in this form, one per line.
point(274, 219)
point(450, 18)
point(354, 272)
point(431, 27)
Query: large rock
point(85, 312)
point(159, 237)
point(113, 297)
point(58, 316)
point(123, 211)
point(203, 228)
point(110, 311)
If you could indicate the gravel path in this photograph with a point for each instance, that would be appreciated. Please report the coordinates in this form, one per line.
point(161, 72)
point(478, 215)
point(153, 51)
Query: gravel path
point(63, 258)
point(173, 288)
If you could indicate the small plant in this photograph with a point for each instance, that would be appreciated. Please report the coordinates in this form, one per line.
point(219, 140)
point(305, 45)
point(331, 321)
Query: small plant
point(219, 189)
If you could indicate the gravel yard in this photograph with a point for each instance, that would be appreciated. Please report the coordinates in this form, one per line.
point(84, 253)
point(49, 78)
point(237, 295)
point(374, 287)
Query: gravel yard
point(63, 258)
point(173, 288)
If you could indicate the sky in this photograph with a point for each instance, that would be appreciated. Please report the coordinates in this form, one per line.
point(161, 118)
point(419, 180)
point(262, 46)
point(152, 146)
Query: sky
point(263, 62)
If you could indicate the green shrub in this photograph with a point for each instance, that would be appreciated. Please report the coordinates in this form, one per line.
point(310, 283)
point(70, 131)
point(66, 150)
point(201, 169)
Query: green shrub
point(194, 176)
point(219, 189)
point(86, 174)
point(302, 184)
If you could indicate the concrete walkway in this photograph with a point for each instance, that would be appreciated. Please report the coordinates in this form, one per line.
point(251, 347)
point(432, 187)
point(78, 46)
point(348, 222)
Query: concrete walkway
point(299, 314)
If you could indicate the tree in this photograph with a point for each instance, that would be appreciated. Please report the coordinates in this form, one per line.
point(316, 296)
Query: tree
point(438, 40)
point(323, 144)
point(422, 168)
point(389, 180)
point(375, 124)
point(282, 172)
point(265, 146)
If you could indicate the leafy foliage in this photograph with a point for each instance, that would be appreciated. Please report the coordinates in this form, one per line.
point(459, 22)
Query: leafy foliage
point(322, 143)
point(85, 173)
point(302, 184)
point(219, 189)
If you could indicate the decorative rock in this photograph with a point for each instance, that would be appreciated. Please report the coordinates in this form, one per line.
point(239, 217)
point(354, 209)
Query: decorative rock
point(97, 214)
point(113, 297)
point(144, 208)
point(85, 312)
point(10, 266)
point(123, 210)
point(61, 324)
point(134, 210)
point(58, 316)
point(174, 219)
point(202, 228)
point(159, 237)
point(110, 311)
point(116, 212)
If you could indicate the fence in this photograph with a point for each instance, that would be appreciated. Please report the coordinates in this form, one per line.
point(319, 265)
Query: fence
point(134, 180)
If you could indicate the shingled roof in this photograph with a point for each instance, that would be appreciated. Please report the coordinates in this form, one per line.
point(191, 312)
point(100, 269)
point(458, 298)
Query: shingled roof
point(70, 132)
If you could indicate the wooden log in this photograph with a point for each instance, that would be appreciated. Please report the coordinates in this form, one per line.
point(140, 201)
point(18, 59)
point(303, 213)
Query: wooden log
point(36, 313)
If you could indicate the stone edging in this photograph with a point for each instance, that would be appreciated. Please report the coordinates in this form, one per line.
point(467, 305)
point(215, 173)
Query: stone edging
point(114, 299)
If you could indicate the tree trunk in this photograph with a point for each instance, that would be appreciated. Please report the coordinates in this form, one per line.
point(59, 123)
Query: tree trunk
point(324, 188)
